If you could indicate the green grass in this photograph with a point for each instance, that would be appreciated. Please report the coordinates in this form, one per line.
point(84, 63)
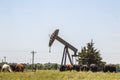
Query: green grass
point(57, 75)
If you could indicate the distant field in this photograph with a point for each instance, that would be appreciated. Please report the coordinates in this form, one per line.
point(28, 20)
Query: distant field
point(57, 75)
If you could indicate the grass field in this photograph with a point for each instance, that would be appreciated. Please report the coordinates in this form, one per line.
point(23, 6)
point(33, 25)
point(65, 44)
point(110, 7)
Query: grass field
point(57, 75)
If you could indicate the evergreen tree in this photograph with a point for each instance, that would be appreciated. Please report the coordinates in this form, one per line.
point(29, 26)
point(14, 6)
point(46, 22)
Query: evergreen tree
point(90, 55)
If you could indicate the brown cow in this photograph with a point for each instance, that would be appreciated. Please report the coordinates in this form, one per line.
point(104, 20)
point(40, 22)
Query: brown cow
point(19, 67)
point(69, 67)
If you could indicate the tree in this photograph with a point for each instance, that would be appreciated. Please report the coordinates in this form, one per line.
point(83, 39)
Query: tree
point(90, 55)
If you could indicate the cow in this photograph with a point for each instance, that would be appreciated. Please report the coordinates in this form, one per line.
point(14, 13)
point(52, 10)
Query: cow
point(76, 67)
point(93, 67)
point(19, 68)
point(13, 67)
point(62, 68)
point(6, 67)
point(84, 68)
point(69, 67)
point(109, 68)
point(0, 67)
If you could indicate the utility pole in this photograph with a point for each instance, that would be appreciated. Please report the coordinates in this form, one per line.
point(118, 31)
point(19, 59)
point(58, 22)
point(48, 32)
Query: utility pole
point(33, 53)
point(5, 59)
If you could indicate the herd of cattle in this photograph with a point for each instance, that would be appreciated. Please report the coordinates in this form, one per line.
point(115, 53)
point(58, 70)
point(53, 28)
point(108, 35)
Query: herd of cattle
point(92, 67)
point(12, 68)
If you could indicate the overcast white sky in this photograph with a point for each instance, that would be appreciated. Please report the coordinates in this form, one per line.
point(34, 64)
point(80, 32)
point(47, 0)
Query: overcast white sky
point(25, 25)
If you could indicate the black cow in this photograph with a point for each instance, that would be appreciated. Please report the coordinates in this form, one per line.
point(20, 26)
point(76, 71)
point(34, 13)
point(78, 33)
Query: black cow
point(0, 67)
point(109, 68)
point(76, 67)
point(13, 67)
point(62, 68)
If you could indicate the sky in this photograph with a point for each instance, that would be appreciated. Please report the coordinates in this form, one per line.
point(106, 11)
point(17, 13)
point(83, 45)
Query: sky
point(25, 25)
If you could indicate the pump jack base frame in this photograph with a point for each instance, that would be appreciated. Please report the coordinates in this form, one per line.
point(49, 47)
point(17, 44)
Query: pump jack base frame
point(64, 57)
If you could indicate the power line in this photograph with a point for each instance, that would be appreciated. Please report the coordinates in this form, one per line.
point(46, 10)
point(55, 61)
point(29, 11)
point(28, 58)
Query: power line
point(14, 50)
